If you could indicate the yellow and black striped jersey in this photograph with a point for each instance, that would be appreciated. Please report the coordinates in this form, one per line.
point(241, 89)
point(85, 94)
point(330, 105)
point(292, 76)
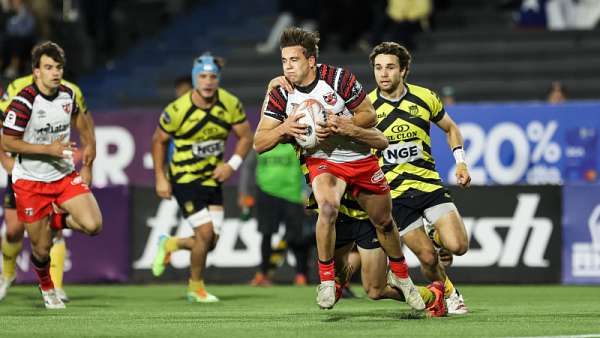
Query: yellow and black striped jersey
point(199, 135)
point(18, 84)
point(407, 162)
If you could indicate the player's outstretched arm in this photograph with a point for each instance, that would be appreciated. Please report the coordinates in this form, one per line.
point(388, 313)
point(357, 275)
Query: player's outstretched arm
point(58, 148)
point(345, 126)
point(85, 126)
point(456, 143)
point(276, 129)
point(364, 114)
point(160, 141)
point(244, 134)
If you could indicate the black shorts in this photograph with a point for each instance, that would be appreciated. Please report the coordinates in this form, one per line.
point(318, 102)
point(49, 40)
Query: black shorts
point(193, 197)
point(272, 211)
point(408, 212)
point(348, 230)
point(9, 195)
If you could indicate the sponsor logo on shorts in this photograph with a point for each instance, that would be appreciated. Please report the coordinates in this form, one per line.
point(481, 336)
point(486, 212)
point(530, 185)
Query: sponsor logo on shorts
point(29, 211)
point(377, 177)
point(323, 167)
point(189, 207)
point(77, 180)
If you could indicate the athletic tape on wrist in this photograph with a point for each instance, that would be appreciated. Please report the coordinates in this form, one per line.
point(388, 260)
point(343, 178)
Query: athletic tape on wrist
point(459, 155)
point(235, 161)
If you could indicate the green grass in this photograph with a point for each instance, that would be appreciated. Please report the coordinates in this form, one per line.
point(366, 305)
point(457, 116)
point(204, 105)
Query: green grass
point(161, 310)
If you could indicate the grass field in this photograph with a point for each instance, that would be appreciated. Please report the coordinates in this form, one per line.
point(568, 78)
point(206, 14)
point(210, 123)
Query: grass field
point(161, 310)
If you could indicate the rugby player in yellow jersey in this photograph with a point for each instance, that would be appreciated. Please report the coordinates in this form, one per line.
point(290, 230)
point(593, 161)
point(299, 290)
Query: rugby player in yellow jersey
point(199, 123)
point(404, 115)
point(12, 239)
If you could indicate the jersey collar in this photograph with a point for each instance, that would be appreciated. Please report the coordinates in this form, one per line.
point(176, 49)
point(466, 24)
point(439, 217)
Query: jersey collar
point(47, 97)
point(394, 101)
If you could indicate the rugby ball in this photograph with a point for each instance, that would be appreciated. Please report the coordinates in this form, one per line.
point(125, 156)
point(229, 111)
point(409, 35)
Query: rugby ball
point(313, 112)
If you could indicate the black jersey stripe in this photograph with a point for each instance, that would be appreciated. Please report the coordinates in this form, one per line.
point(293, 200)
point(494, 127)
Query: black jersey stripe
point(208, 118)
point(206, 169)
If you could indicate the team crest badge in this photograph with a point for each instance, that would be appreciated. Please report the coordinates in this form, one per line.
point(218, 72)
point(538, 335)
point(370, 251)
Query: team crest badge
point(413, 110)
point(67, 108)
point(330, 98)
point(29, 211)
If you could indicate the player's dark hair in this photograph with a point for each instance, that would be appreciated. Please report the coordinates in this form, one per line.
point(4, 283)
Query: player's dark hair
point(392, 48)
point(50, 49)
point(296, 36)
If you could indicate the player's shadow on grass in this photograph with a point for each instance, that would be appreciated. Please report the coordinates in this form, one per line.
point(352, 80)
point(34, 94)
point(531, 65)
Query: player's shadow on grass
point(370, 316)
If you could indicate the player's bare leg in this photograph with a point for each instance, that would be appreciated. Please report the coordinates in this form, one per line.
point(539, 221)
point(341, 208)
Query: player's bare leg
point(203, 242)
point(12, 243)
point(328, 191)
point(451, 233)
point(40, 236)
point(83, 214)
point(57, 264)
point(379, 209)
point(374, 282)
point(419, 243)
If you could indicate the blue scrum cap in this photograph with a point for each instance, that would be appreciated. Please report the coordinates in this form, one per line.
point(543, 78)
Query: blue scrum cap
point(205, 63)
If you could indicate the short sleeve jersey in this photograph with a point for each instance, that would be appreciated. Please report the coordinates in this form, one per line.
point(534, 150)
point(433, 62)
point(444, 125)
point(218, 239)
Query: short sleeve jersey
point(199, 136)
point(339, 91)
point(41, 119)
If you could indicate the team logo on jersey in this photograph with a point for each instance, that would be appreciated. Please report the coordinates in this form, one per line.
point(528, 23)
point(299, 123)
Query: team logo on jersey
point(67, 107)
point(330, 98)
point(10, 119)
point(413, 110)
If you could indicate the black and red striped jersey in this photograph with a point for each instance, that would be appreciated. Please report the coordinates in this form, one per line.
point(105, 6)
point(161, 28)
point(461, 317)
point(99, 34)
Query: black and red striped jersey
point(41, 119)
point(338, 91)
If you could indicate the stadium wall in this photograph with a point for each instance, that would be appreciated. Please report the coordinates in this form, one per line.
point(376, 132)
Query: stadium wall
point(533, 215)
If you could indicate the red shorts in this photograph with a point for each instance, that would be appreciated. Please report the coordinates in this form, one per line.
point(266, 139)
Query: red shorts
point(34, 198)
point(360, 175)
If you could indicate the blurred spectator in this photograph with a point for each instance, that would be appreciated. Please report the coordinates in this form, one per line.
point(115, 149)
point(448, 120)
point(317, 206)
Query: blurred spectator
point(42, 11)
point(532, 14)
point(448, 96)
point(556, 93)
point(402, 20)
point(571, 14)
point(559, 14)
point(99, 26)
point(18, 39)
point(290, 12)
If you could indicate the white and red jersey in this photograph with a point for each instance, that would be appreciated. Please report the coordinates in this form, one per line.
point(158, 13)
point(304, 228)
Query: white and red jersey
point(338, 91)
point(41, 119)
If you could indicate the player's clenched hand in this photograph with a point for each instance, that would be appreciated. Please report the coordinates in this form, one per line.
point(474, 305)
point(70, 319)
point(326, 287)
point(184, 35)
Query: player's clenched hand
point(341, 125)
point(8, 163)
point(280, 81)
point(61, 149)
point(463, 178)
point(222, 172)
point(324, 129)
point(291, 126)
point(163, 188)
